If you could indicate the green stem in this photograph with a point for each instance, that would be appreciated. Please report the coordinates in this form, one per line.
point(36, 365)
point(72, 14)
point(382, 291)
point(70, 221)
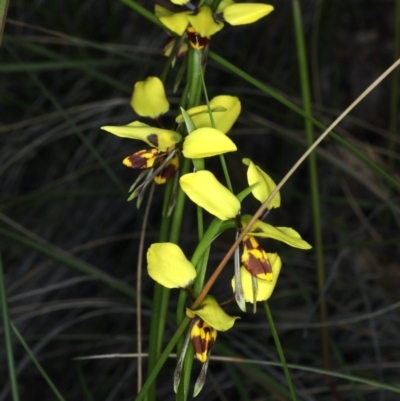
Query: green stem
point(280, 350)
point(7, 337)
point(312, 166)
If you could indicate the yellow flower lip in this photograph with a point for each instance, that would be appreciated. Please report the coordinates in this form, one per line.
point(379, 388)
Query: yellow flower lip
point(168, 266)
point(255, 259)
point(206, 191)
point(203, 337)
point(210, 311)
point(284, 234)
point(264, 288)
point(149, 99)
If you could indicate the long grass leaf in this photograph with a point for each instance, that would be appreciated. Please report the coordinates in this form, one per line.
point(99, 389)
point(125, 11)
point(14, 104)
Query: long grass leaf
point(8, 345)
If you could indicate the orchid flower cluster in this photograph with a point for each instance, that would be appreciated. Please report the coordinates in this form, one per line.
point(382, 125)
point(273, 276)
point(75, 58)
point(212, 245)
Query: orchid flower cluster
point(202, 132)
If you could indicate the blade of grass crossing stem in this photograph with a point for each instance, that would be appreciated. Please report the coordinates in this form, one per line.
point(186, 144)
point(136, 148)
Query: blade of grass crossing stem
point(312, 166)
point(394, 91)
point(12, 374)
point(36, 363)
point(264, 88)
point(280, 351)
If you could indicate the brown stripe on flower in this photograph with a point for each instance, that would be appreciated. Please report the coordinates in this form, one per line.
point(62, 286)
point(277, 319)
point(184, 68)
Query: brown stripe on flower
point(255, 260)
point(197, 41)
point(203, 337)
point(142, 159)
point(168, 171)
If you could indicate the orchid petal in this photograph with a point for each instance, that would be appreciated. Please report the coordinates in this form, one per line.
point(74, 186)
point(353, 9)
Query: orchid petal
point(245, 13)
point(206, 191)
point(167, 264)
point(149, 99)
point(176, 22)
point(265, 184)
point(203, 22)
point(206, 142)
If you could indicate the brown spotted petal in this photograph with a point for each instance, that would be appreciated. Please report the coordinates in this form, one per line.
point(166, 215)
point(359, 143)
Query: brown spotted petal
point(168, 171)
point(255, 259)
point(203, 337)
point(142, 159)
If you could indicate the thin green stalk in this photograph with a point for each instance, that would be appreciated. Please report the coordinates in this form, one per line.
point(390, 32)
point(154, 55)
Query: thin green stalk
point(280, 351)
point(8, 345)
point(312, 166)
point(3, 16)
point(36, 363)
point(394, 92)
point(86, 392)
point(160, 300)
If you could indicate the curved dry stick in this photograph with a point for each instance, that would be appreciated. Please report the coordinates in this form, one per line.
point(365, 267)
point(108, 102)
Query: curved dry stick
point(260, 211)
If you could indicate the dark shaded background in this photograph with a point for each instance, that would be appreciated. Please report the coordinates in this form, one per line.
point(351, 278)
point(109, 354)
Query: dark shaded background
point(62, 79)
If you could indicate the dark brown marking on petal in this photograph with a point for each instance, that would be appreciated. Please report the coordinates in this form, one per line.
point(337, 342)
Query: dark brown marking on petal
point(198, 42)
point(142, 159)
point(153, 139)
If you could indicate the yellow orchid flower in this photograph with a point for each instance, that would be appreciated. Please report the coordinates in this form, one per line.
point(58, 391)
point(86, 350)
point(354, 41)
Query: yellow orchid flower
point(206, 191)
point(265, 184)
point(208, 319)
point(167, 264)
point(149, 99)
point(224, 109)
point(253, 288)
point(203, 22)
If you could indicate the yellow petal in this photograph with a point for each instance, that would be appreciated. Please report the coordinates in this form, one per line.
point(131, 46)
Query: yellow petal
point(180, 2)
point(245, 13)
point(265, 184)
point(213, 314)
point(264, 288)
point(255, 259)
point(160, 11)
point(284, 234)
point(223, 4)
point(206, 191)
point(167, 264)
point(176, 22)
point(203, 22)
point(142, 159)
point(158, 138)
point(206, 142)
point(225, 111)
point(149, 99)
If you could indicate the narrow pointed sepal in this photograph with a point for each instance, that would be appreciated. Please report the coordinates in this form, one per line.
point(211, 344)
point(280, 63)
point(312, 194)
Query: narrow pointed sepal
point(201, 379)
point(159, 138)
point(283, 234)
point(178, 369)
point(239, 297)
